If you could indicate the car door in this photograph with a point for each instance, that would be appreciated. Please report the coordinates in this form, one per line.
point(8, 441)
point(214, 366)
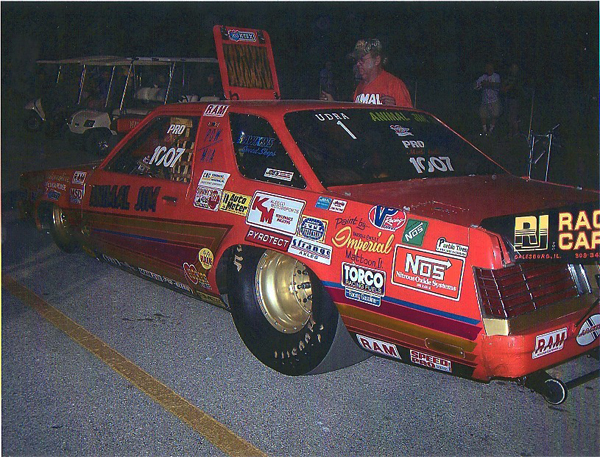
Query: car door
point(134, 207)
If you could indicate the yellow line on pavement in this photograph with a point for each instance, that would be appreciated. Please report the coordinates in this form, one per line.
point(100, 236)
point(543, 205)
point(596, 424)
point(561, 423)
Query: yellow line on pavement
point(215, 432)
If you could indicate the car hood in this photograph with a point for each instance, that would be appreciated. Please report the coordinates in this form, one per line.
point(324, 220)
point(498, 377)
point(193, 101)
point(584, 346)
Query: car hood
point(470, 199)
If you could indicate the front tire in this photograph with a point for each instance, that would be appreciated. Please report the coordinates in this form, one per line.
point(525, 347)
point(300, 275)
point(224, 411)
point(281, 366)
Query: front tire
point(284, 315)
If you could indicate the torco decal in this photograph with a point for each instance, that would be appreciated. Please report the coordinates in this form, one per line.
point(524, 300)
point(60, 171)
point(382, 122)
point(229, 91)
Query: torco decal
point(235, 203)
point(363, 284)
point(430, 361)
point(549, 342)
point(414, 232)
point(79, 177)
point(312, 228)
point(206, 258)
point(268, 239)
point(216, 110)
point(427, 272)
point(387, 218)
point(590, 330)
point(378, 346)
point(311, 250)
point(275, 212)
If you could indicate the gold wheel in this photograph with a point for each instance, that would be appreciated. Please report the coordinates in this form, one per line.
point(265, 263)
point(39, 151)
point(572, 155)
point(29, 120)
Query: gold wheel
point(283, 291)
point(61, 231)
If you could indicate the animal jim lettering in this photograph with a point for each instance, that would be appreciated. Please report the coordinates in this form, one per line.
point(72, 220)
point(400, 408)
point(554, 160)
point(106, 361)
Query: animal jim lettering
point(117, 197)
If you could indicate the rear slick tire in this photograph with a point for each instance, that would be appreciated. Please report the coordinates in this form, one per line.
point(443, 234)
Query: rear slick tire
point(284, 315)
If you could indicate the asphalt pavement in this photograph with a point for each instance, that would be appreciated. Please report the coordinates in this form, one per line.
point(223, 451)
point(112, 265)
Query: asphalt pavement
point(58, 398)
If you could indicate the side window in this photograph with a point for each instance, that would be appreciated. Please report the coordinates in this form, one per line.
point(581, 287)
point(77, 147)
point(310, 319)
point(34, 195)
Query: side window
point(259, 154)
point(163, 150)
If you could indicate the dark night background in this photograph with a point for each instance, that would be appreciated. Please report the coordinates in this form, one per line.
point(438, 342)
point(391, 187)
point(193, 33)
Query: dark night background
point(437, 48)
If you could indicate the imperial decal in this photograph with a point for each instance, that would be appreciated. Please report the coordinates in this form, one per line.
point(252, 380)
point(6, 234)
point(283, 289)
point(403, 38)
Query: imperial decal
point(363, 284)
point(378, 346)
point(428, 272)
point(590, 330)
point(549, 342)
point(275, 212)
point(387, 218)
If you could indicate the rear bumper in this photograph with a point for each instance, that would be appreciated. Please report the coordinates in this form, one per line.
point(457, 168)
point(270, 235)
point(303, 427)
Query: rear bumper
point(548, 343)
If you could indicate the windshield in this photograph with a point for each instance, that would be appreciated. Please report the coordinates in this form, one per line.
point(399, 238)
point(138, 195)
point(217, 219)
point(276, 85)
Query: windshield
point(360, 146)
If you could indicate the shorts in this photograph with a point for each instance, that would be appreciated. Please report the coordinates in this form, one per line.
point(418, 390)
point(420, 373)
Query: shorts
point(490, 110)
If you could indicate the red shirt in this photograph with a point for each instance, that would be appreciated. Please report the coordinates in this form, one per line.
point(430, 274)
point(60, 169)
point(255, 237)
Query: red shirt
point(384, 84)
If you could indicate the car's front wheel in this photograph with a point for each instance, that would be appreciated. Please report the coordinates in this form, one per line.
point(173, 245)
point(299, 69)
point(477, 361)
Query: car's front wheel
point(61, 231)
point(284, 315)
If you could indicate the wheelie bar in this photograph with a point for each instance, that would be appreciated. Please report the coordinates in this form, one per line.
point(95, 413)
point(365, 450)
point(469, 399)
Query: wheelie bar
point(554, 390)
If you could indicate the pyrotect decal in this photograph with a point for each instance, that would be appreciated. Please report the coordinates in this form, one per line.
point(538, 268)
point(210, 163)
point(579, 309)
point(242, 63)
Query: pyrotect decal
point(268, 239)
point(378, 346)
point(549, 342)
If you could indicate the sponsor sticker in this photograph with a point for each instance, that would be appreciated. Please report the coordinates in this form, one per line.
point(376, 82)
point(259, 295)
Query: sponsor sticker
point(76, 195)
point(207, 198)
point(238, 35)
point(275, 212)
point(363, 284)
point(53, 195)
point(387, 218)
point(338, 206)
point(282, 175)
point(414, 232)
point(427, 271)
point(268, 239)
point(589, 331)
point(213, 179)
point(323, 202)
point(194, 276)
point(216, 110)
point(454, 249)
point(378, 346)
point(401, 131)
point(235, 203)
point(312, 228)
point(531, 233)
point(206, 258)
point(311, 250)
point(79, 177)
point(430, 361)
point(549, 342)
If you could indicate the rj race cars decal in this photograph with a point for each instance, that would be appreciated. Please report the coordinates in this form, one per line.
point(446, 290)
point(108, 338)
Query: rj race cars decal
point(378, 346)
point(387, 218)
point(549, 342)
point(275, 212)
point(428, 272)
point(590, 330)
point(430, 361)
point(363, 284)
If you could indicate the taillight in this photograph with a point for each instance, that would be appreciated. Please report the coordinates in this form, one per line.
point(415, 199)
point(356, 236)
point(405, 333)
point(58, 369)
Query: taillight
point(509, 292)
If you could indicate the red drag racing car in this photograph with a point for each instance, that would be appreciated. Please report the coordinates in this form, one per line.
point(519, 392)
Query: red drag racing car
point(336, 230)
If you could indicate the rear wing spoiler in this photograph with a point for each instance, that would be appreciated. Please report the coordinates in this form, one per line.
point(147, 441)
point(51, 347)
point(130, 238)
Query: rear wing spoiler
point(246, 63)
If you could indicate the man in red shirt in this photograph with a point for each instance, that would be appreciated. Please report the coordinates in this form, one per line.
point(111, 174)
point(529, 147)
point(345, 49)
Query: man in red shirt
point(377, 86)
